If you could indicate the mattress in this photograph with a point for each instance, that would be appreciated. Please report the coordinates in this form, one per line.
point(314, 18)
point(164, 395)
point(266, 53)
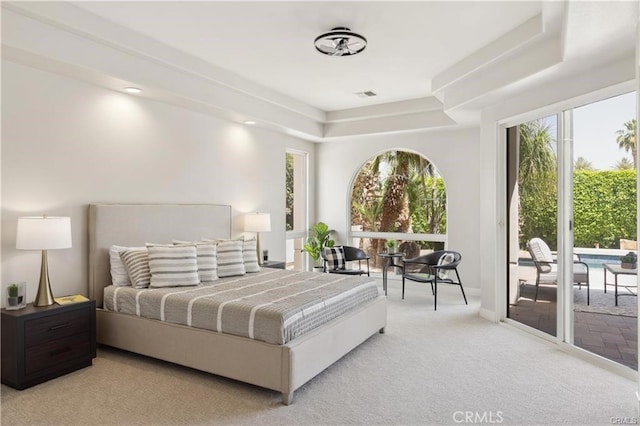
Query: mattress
point(274, 305)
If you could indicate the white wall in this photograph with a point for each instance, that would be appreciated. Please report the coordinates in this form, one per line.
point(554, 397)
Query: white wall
point(66, 144)
point(454, 152)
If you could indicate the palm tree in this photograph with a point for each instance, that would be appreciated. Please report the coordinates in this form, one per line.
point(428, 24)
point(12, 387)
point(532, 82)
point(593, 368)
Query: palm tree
point(395, 213)
point(627, 139)
point(537, 166)
point(624, 164)
point(427, 198)
point(400, 172)
point(537, 182)
point(366, 196)
point(369, 213)
point(582, 164)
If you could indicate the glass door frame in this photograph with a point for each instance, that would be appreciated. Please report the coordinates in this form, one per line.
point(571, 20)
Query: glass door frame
point(565, 318)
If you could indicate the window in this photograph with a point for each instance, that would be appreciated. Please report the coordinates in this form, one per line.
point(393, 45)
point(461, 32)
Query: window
point(296, 207)
point(398, 195)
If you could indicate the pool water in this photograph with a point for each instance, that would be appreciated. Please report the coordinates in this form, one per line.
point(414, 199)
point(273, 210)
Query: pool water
point(594, 261)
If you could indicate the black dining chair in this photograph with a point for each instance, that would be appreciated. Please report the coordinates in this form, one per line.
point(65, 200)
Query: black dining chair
point(434, 268)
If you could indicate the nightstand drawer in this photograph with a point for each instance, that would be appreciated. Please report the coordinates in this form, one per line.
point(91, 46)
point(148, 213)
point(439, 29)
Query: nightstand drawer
point(57, 352)
point(40, 343)
point(52, 327)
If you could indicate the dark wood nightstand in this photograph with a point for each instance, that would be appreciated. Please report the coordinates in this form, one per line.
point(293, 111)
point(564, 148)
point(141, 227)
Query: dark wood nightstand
point(41, 343)
point(275, 264)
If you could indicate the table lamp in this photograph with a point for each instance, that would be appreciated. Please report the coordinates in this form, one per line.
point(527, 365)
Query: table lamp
point(43, 233)
point(257, 222)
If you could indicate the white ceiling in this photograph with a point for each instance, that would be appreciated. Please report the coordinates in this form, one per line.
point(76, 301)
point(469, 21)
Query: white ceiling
point(271, 43)
point(433, 64)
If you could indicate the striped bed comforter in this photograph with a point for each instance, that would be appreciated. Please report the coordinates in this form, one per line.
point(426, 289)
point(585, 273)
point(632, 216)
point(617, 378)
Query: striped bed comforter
point(274, 305)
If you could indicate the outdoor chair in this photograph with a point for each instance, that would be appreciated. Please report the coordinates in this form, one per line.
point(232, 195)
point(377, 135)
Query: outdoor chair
point(335, 260)
point(547, 267)
point(434, 268)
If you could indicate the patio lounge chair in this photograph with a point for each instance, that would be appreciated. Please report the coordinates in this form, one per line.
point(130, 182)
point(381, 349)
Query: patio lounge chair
point(547, 267)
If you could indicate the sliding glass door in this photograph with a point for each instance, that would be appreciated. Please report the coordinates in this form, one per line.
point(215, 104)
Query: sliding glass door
point(532, 213)
point(571, 209)
point(604, 214)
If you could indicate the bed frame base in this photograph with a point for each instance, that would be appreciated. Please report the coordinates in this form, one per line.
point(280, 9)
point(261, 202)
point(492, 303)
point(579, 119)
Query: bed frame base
point(283, 368)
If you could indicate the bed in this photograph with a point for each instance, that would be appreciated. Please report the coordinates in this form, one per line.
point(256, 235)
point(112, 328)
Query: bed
point(281, 367)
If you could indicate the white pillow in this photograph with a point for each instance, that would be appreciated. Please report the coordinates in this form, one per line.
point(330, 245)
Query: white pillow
point(207, 259)
point(173, 266)
point(250, 255)
point(445, 259)
point(119, 274)
point(137, 263)
point(230, 260)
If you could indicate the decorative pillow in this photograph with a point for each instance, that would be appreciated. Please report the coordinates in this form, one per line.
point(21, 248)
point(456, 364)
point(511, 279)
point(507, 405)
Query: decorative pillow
point(207, 259)
point(137, 263)
point(250, 255)
point(119, 274)
point(445, 259)
point(173, 266)
point(335, 256)
point(230, 261)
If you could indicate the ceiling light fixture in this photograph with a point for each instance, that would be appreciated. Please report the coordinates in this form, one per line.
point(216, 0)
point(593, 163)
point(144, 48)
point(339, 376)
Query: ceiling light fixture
point(249, 122)
point(132, 90)
point(340, 41)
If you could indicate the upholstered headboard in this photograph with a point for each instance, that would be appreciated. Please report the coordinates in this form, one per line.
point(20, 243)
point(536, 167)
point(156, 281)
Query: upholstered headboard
point(137, 224)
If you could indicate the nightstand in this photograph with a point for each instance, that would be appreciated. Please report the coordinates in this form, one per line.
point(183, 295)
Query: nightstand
point(41, 343)
point(276, 264)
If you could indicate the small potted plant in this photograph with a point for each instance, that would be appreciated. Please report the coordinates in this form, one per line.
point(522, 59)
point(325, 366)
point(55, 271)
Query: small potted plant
point(16, 296)
point(392, 246)
point(319, 238)
point(629, 261)
point(12, 298)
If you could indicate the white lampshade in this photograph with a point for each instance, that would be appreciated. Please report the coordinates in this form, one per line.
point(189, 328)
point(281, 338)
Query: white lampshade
point(43, 233)
point(257, 222)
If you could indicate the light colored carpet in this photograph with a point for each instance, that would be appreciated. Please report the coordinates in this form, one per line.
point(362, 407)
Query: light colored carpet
point(429, 368)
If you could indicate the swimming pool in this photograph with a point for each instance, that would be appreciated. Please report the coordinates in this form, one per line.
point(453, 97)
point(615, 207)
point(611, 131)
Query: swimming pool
point(592, 259)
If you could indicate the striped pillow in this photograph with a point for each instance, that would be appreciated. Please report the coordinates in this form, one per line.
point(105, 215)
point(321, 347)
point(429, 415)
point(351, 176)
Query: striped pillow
point(230, 261)
point(137, 263)
point(250, 255)
point(207, 259)
point(173, 266)
point(119, 274)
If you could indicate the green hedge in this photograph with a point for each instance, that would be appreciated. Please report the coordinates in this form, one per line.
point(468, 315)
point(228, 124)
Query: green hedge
point(604, 210)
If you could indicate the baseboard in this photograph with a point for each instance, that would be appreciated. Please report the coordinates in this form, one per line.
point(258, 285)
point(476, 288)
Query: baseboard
point(488, 315)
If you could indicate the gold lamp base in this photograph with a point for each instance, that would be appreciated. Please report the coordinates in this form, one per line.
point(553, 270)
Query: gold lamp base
point(44, 296)
point(260, 262)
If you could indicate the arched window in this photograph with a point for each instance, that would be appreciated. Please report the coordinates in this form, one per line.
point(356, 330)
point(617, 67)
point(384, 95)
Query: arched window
point(400, 196)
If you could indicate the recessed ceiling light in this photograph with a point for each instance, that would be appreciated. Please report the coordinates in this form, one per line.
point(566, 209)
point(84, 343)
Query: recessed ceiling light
point(132, 90)
point(249, 122)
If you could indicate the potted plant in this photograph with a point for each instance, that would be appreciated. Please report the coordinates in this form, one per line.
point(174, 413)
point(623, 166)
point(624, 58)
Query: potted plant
point(392, 246)
point(319, 238)
point(13, 295)
point(629, 261)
